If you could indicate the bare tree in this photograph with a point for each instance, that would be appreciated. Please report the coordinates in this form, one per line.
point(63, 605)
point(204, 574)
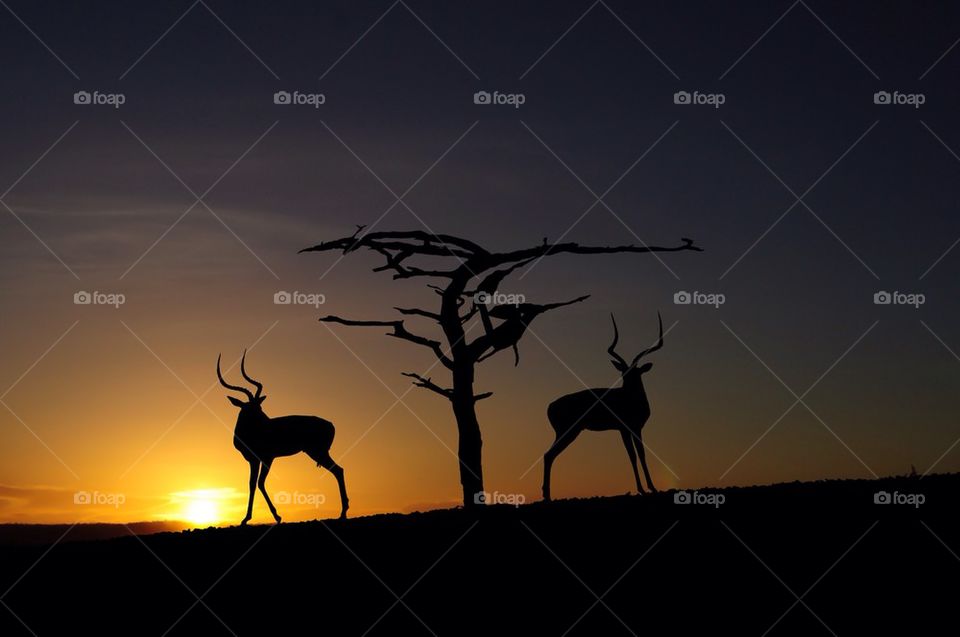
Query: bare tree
point(469, 262)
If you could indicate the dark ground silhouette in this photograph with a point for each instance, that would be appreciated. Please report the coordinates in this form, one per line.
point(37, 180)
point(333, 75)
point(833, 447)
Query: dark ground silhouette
point(659, 567)
point(46, 534)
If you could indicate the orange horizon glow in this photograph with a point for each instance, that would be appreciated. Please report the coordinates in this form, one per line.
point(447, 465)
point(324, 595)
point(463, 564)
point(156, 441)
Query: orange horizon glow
point(113, 408)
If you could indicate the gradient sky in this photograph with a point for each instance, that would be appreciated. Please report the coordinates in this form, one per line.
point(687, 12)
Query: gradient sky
point(104, 400)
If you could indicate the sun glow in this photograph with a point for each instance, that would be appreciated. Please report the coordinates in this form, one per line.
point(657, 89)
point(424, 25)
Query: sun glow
point(201, 507)
point(202, 511)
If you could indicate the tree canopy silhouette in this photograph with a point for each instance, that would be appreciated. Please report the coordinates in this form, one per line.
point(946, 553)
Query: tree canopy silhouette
point(469, 262)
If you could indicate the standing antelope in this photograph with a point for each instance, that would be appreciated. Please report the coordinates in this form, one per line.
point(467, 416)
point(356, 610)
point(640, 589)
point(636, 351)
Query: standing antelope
point(261, 439)
point(624, 409)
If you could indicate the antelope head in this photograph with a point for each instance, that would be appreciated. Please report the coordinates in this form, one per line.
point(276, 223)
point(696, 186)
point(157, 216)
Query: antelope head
point(252, 409)
point(630, 373)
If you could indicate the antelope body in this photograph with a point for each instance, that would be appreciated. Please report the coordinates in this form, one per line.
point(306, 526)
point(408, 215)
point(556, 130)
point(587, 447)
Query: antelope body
point(624, 409)
point(261, 439)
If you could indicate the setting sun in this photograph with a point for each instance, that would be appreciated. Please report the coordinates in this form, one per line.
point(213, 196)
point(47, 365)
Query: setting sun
point(202, 511)
point(202, 507)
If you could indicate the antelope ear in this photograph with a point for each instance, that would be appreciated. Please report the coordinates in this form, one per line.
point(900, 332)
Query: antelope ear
point(646, 367)
point(236, 401)
point(620, 367)
point(261, 399)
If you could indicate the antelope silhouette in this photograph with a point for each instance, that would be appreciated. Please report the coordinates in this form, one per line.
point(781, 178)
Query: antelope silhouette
point(624, 409)
point(261, 439)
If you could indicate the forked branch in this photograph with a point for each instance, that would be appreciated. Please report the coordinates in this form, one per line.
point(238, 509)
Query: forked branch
point(427, 383)
point(399, 331)
point(398, 247)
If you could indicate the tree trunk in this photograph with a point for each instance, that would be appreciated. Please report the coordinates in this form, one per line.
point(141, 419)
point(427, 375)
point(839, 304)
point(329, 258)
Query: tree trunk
point(471, 443)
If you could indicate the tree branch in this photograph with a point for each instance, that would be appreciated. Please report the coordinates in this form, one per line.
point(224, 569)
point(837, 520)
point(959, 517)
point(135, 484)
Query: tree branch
point(490, 268)
point(548, 249)
point(399, 331)
point(493, 280)
point(540, 309)
point(416, 311)
point(394, 261)
point(418, 241)
point(515, 321)
point(426, 383)
point(425, 243)
point(469, 314)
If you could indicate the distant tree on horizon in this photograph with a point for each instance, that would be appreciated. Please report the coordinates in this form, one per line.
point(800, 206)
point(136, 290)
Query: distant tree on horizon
point(459, 302)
